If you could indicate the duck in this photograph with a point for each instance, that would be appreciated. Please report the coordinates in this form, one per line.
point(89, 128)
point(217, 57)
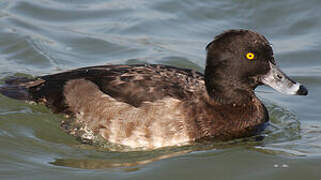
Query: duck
point(150, 106)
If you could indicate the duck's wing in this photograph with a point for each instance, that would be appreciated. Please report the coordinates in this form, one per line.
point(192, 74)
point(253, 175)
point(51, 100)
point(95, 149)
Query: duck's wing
point(138, 83)
point(132, 84)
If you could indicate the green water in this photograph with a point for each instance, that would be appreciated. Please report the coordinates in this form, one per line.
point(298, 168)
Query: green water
point(45, 36)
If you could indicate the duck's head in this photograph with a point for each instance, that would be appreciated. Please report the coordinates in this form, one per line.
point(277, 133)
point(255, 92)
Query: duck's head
point(240, 60)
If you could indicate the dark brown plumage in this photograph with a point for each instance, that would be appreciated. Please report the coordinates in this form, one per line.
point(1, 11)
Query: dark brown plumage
point(151, 106)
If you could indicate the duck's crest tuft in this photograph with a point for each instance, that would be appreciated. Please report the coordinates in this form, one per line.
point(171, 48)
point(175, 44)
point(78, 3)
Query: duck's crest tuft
point(225, 34)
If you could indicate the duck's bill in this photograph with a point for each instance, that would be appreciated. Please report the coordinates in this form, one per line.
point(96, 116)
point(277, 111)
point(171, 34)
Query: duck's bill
point(282, 83)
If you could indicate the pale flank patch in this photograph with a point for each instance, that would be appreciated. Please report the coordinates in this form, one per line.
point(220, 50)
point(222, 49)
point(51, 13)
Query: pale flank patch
point(153, 125)
point(151, 133)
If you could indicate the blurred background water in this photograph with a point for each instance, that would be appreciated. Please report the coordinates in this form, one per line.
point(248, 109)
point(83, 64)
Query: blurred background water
point(40, 37)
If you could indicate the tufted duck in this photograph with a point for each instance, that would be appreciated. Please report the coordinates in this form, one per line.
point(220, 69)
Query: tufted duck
point(151, 106)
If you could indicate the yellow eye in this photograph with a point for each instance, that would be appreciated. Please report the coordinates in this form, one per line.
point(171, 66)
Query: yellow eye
point(250, 56)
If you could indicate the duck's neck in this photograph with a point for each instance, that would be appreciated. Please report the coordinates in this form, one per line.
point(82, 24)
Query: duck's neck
point(224, 91)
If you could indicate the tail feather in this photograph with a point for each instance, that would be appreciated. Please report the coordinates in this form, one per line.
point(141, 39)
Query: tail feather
point(16, 87)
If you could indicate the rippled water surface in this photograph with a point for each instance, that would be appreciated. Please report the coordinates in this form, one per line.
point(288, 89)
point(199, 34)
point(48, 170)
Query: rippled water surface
point(45, 36)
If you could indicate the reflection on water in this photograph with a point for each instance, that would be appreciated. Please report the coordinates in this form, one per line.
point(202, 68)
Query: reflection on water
point(144, 158)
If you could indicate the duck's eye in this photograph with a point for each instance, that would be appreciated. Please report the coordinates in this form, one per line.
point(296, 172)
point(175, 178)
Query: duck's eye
point(250, 56)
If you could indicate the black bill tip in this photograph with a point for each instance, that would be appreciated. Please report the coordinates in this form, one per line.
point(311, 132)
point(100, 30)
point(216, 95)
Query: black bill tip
point(302, 91)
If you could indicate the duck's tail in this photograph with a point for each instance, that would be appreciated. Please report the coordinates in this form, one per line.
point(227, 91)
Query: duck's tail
point(16, 87)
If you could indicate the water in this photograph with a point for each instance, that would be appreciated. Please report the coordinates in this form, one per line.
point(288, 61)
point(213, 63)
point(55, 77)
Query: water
point(48, 36)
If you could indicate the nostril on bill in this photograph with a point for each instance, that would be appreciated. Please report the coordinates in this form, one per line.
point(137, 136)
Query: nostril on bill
point(302, 91)
point(279, 77)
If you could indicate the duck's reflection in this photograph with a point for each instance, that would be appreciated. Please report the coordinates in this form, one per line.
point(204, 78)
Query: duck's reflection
point(131, 161)
point(103, 164)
